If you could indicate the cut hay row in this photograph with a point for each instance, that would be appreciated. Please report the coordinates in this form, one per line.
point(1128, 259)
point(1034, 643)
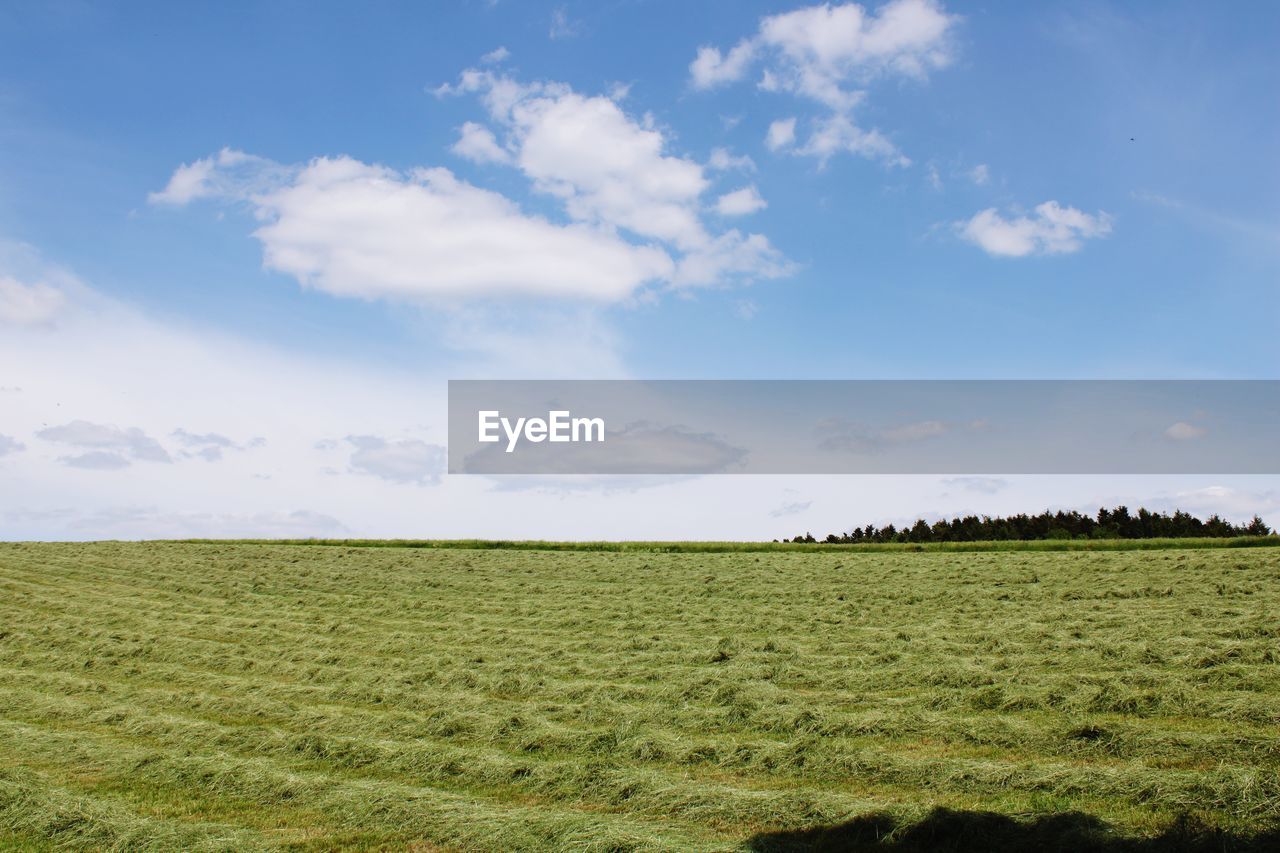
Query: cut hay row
point(233, 696)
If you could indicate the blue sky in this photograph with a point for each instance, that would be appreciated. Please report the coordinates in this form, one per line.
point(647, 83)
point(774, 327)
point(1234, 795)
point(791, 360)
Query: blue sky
point(411, 193)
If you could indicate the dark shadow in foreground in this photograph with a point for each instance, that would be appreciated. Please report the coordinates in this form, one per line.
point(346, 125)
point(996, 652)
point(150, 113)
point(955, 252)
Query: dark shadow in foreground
point(948, 831)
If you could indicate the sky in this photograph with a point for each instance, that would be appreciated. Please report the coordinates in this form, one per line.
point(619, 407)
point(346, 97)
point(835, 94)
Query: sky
point(244, 246)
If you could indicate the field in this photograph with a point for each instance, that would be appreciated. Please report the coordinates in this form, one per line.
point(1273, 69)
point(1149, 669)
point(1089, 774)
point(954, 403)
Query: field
point(246, 696)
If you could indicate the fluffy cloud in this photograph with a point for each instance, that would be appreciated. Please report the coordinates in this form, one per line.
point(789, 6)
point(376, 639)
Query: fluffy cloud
point(836, 134)
point(353, 229)
point(818, 50)
point(1182, 431)
point(730, 255)
point(833, 134)
point(1051, 230)
point(740, 202)
point(614, 171)
point(109, 446)
point(9, 445)
point(607, 168)
point(722, 160)
point(711, 68)
point(829, 54)
point(782, 134)
point(408, 461)
point(97, 460)
point(227, 174)
point(478, 144)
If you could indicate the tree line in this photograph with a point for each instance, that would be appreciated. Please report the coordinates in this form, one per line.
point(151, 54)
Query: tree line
point(1118, 523)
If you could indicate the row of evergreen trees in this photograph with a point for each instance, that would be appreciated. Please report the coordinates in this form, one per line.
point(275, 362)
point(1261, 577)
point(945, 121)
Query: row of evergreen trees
point(1116, 523)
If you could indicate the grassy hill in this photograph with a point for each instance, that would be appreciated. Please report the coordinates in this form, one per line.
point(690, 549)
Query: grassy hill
point(248, 695)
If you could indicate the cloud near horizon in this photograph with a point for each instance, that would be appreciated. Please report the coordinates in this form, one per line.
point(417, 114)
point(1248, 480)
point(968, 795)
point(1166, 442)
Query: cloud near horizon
point(109, 447)
point(407, 461)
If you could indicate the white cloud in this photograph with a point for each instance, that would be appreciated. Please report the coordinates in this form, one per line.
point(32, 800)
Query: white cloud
point(607, 168)
point(1051, 230)
point(97, 460)
point(818, 50)
point(477, 143)
point(1182, 431)
point(980, 174)
point(710, 68)
point(131, 442)
point(829, 54)
point(361, 230)
point(730, 255)
point(36, 304)
point(613, 170)
point(357, 230)
point(407, 461)
point(353, 229)
point(740, 202)
point(836, 134)
point(723, 160)
point(498, 54)
point(227, 174)
point(782, 134)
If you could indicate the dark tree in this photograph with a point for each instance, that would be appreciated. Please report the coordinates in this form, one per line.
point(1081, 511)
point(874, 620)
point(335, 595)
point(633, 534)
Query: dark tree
point(1116, 523)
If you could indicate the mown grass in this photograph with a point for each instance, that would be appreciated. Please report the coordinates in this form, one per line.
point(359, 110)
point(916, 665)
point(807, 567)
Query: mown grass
point(1154, 544)
point(258, 696)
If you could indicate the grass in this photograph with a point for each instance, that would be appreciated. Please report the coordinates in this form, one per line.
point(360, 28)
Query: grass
point(1157, 544)
point(240, 696)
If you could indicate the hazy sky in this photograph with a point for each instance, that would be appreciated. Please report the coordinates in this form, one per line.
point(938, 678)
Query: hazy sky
point(242, 246)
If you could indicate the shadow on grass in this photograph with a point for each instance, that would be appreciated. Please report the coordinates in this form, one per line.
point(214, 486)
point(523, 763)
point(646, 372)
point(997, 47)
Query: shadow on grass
point(948, 831)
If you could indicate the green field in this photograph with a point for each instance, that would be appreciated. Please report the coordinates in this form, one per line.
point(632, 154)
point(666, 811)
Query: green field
point(243, 696)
